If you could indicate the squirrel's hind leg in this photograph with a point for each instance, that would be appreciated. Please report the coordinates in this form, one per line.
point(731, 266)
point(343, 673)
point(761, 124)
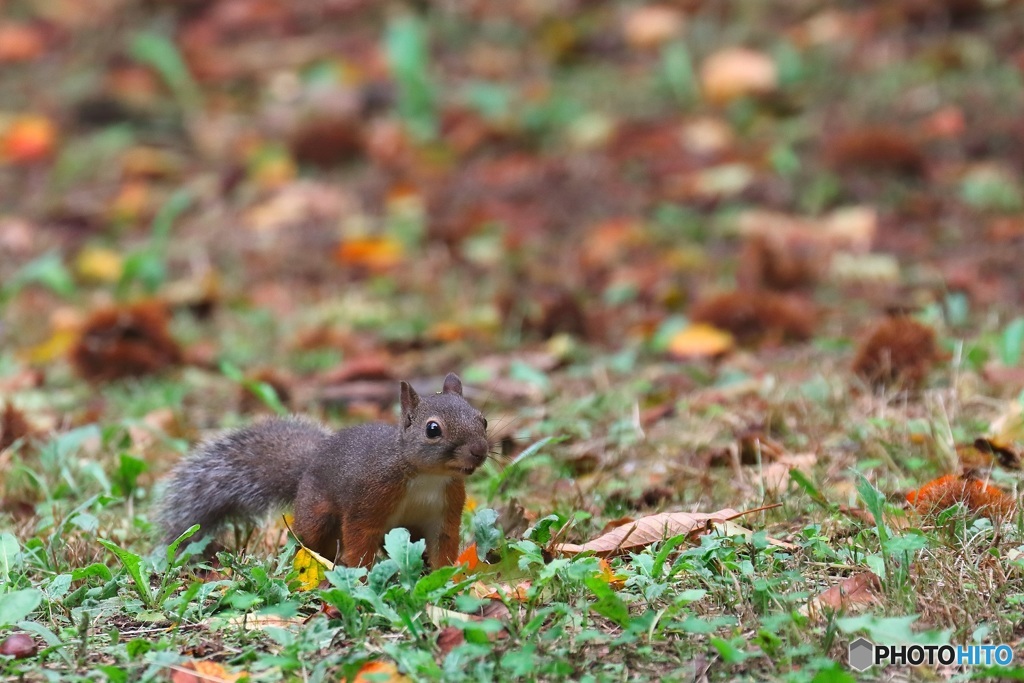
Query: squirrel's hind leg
point(317, 525)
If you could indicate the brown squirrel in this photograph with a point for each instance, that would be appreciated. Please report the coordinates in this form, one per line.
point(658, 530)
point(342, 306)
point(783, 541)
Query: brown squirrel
point(348, 488)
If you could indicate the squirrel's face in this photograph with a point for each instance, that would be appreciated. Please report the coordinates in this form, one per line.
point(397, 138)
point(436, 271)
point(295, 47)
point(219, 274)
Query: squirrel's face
point(452, 442)
point(450, 434)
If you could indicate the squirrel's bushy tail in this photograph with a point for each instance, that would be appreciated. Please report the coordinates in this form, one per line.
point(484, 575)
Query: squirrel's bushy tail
point(240, 475)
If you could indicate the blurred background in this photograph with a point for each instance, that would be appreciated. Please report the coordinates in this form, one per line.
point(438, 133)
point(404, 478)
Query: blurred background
point(324, 192)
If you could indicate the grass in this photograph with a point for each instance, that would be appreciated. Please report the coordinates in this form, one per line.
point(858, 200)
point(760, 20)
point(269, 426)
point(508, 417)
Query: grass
point(726, 606)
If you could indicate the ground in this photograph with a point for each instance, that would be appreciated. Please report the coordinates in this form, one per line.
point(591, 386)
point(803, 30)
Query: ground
point(690, 259)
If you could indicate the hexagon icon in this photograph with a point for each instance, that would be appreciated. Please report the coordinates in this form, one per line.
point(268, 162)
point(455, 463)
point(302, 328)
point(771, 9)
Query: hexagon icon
point(862, 654)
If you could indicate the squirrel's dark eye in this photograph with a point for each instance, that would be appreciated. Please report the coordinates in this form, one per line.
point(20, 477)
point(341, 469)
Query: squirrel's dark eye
point(433, 430)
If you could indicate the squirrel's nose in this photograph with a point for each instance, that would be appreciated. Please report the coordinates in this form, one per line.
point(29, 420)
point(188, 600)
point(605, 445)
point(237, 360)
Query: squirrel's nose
point(479, 451)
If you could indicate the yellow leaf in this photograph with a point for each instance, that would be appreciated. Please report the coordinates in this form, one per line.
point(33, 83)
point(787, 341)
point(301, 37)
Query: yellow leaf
point(701, 341)
point(311, 572)
point(615, 581)
point(53, 348)
point(99, 264)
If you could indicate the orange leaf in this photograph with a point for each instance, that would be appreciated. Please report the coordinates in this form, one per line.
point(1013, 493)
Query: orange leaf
point(700, 341)
point(380, 672)
point(203, 672)
point(615, 581)
point(469, 557)
point(374, 253)
point(28, 139)
point(20, 42)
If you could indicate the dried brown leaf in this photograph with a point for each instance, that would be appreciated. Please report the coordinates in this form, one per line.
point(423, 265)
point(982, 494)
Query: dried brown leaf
point(854, 592)
point(648, 530)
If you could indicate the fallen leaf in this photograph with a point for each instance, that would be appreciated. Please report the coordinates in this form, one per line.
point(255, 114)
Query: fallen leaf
point(648, 530)
point(258, 622)
point(775, 475)
point(615, 581)
point(373, 253)
point(468, 557)
point(59, 343)
point(203, 672)
point(449, 638)
point(501, 591)
point(144, 436)
point(99, 264)
point(311, 572)
point(700, 340)
point(1008, 427)
point(28, 139)
point(852, 593)
point(20, 42)
point(380, 672)
point(132, 202)
point(650, 26)
point(782, 251)
point(736, 72)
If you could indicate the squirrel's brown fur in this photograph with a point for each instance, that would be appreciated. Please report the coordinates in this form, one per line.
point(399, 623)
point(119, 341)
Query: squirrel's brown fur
point(349, 488)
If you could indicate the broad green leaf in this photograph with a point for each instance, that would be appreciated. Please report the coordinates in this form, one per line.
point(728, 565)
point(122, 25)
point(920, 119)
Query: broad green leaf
point(407, 555)
point(608, 604)
point(94, 569)
point(9, 553)
point(133, 565)
point(1012, 342)
point(485, 532)
point(173, 547)
point(17, 605)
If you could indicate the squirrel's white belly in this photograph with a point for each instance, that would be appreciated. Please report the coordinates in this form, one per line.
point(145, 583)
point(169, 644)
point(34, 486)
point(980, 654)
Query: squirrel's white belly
point(421, 508)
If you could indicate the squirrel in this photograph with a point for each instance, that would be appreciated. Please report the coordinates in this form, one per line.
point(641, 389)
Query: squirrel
point(348, 488)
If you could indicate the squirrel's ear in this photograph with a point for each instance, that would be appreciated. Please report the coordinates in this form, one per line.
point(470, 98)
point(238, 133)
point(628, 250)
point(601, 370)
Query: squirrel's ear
point(410, 399)
point(452, 384)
